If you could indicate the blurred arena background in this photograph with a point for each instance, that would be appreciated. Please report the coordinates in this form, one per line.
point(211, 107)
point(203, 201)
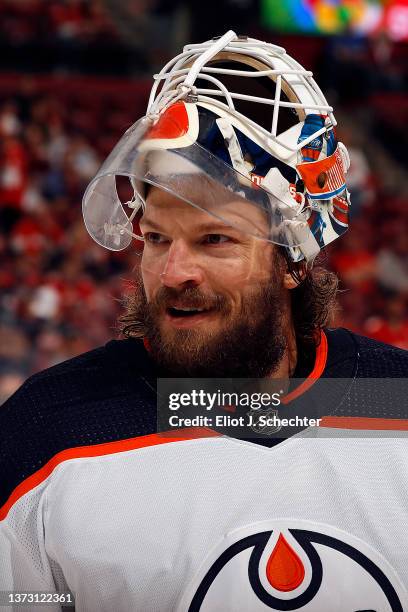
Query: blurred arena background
point(74, 74)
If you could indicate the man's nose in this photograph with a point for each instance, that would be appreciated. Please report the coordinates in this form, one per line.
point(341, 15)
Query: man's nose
point(182, 266)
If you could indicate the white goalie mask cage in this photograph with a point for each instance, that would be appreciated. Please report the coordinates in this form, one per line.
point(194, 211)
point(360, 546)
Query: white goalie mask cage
point(192, 128)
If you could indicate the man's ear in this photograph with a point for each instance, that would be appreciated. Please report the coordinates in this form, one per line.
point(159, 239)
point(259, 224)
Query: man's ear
point(293, 273)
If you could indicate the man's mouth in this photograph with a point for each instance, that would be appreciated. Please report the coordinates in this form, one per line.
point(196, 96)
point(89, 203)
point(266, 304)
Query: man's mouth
point(185, 311)
point(185, 316)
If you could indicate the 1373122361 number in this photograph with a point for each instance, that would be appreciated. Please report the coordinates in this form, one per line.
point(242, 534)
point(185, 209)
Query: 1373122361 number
point(38, 597)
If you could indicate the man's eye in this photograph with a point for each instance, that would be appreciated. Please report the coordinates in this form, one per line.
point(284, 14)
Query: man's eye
point(216, 239)
point(154, 238)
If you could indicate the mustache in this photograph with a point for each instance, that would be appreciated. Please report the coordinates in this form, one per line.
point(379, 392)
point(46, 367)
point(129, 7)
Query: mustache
point(189, 297)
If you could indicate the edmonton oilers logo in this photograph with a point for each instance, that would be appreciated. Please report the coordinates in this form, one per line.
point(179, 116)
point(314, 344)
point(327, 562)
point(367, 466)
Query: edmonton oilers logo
point(295, 565)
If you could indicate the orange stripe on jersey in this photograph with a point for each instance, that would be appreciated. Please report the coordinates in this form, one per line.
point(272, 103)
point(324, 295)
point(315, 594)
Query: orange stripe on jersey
point(98, 450)
point(364, 423)
point(320, 364)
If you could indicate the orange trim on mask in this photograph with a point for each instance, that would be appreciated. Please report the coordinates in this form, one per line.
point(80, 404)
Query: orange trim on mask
point(173, 123)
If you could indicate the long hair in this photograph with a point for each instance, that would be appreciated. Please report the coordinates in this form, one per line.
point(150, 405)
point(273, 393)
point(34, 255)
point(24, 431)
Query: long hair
point(313, 301)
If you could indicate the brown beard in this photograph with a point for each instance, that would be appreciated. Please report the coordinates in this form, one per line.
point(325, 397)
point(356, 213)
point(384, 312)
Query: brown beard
point(250, 345)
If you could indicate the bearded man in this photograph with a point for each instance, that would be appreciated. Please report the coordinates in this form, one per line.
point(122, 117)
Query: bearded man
point(232, 214)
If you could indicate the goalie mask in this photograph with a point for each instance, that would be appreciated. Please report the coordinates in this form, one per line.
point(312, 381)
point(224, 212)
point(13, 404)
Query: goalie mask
point(284, 184)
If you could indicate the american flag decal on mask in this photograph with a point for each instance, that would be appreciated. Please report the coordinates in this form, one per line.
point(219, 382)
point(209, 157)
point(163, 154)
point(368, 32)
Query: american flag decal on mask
point(323, 179)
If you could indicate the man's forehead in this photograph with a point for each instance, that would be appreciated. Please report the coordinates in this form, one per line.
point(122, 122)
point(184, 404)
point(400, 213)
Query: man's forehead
point(202, 207)
point(197, 189)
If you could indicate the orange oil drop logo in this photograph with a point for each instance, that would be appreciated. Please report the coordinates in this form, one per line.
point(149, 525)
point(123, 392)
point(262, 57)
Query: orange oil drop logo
point(284, 570)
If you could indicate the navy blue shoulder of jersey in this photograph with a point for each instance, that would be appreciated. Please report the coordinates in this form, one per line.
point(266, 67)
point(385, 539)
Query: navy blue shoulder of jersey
point(109, 394)
point(375, 378)
point(352, 355)
point(379, 360)
point(105, 395)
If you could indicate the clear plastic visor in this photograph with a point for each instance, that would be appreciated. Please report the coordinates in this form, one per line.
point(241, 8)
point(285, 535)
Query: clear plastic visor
point(192, 181)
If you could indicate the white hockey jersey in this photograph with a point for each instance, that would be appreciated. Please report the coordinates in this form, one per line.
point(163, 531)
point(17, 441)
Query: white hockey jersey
point(204, 522)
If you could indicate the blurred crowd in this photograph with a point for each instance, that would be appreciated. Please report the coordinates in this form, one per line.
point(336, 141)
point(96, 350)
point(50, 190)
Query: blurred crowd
point(44, 35)
point(123, 37)
point(60, 292)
